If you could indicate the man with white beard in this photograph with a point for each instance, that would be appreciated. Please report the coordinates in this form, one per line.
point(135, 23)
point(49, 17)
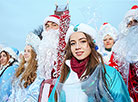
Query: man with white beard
point(126, 48)
point(50, 54)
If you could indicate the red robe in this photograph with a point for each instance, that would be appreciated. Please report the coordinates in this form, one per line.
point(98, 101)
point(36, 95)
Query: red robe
point(133, 81)
point(64, 25)
point(119, 67)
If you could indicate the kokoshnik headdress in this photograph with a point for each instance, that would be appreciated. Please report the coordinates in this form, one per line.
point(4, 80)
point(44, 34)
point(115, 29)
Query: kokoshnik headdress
point(33, 40)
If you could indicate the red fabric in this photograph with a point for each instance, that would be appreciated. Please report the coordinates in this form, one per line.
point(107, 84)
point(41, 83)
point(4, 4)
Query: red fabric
point(49, 81)
point(77, 67)
point(112, 62)
point(135, 7)
point(133, 81)
point(56, 16)
point(64, 25)
point(105, 23)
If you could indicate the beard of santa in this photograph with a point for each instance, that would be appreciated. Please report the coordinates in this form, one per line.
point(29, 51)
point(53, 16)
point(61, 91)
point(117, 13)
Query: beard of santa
point(127, 44)
point(48, 53)
point(132, 44)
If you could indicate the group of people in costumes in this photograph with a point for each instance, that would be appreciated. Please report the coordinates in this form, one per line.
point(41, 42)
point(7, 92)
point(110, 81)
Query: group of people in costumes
point(72, 64)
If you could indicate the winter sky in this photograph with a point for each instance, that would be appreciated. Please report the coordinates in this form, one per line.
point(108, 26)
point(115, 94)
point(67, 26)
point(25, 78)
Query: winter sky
point(19, 17)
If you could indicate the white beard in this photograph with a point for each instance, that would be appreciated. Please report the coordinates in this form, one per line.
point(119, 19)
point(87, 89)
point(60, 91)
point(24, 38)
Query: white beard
point(127, 45)
point(50, 38)
point(48, 53)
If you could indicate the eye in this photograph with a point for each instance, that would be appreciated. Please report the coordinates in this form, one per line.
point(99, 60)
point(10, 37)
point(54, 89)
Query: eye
point(130, 23)
point(135, 21)
point(4, 55)
point(104, 39)
point(46, 25)
point(73, 43)
point(83, 41)
point(28, 50)
point(54, 24)
point(110, 39)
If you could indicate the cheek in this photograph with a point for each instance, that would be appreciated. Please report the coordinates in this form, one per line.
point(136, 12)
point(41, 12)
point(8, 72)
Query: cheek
point(55, 28)
point(5, 59)
point(104, 43)
point(73, 50)
point(112, 42)
point(88, 50)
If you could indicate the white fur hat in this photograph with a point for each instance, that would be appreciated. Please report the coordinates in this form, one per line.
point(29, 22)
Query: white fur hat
point(105, 29)
point(12, 51)
point(81, 28)
point(53, 18)
point(132, 13)
point(33, 40)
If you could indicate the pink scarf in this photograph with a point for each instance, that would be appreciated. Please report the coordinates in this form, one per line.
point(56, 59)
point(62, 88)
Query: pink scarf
point(78, 67)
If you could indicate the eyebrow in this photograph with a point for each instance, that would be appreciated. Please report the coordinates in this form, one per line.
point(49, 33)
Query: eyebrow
point(79, 39)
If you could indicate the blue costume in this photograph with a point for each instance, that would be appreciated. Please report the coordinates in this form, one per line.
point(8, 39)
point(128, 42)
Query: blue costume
point(21, 94)
point(6, 81)
point(93, 88)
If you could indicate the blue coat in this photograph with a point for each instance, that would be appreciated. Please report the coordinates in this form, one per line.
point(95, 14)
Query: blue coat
point(6, 81)
point(93, 89)
point(29, 94)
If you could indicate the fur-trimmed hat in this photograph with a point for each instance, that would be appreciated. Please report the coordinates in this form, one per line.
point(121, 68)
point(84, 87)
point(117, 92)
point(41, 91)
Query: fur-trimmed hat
point(107, 28)
point(33, 40)
point(81, 28)
point(12, 52)
point(53, 18)
point(132, 13)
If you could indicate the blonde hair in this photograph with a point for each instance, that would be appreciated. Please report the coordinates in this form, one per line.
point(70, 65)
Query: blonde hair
point(28, 73)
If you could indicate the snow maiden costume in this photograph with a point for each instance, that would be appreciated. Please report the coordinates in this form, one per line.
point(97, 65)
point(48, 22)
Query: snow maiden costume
point(7, 73)
point(91, 88)
point(126, 51)
point(30, 93)
point(107, 54)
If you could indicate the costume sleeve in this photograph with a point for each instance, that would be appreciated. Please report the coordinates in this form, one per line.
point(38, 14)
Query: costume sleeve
point(51, 97)
point(5, 83)
point(117, 87)
point(33, 91)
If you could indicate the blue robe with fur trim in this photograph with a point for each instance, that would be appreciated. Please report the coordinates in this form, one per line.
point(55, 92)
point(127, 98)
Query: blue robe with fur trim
point(21, 94)
point(6, 82)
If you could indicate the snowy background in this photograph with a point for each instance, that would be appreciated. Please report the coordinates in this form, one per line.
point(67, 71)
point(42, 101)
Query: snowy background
point(19, 17)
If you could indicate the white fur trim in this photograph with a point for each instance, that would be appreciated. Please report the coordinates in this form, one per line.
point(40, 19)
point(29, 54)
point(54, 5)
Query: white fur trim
point(33, 40)
point(81, 28)
point(10, 51)
point(131, 14)
point(50, 18)
point(108, 29)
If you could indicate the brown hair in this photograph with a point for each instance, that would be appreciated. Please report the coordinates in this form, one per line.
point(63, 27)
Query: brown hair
point(28, 73)
point(94, 59)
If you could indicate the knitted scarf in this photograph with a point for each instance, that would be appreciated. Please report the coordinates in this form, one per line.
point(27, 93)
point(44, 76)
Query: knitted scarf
point(78, 67)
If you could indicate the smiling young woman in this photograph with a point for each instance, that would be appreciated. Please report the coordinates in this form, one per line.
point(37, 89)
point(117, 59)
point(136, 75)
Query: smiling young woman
point(84, 76)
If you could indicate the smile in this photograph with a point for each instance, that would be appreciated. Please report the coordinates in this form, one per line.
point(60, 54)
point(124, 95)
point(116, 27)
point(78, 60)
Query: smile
point(79, 53)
